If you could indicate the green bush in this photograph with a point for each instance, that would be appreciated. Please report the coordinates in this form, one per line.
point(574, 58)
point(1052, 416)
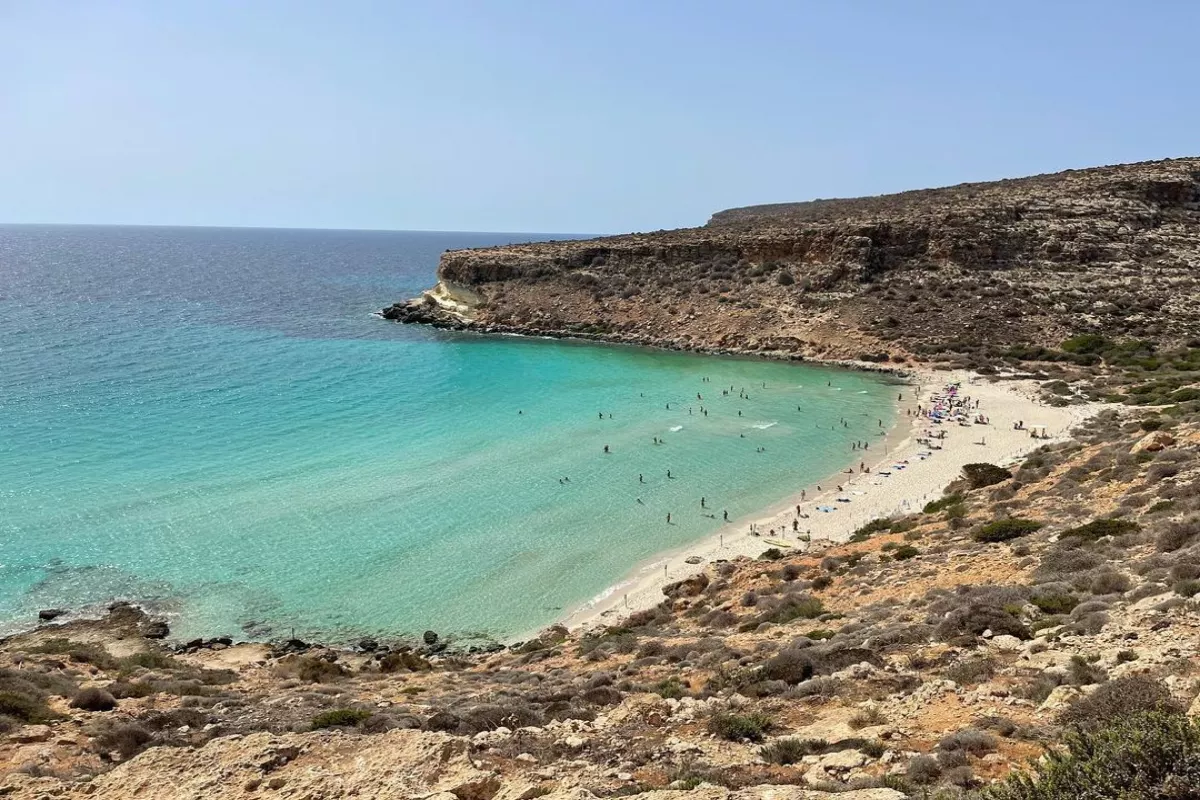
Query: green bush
point(340, 718)
point(981, 475)
point(150, 659)
point(24, 707)
point(802, 607)
point(789, 751)
point(1152, 755)
point(1086, 344)
point(1055, 603)
point(1099, 528)
point(772, 554)
point(671, 687)
point(905, 552)
point(934, 506)
point(1186, 588)
point(740, 727)
point(1003, 530)
point(874, 526)
point(1118, 699)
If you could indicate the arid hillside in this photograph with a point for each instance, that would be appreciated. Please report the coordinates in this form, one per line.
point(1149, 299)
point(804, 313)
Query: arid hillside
point(973, 270)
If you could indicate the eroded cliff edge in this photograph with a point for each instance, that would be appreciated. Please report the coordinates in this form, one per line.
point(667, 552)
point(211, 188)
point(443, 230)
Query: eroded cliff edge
point(974, 269)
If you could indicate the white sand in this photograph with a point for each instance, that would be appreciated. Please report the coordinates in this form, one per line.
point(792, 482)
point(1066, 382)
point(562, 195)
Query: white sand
point(872, 495)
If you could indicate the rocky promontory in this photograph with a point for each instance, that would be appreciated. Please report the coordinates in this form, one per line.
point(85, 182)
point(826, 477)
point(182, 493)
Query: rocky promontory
point(973, 269)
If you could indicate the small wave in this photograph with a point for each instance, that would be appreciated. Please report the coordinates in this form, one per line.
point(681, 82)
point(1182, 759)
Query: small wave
point(864, 391)
point(762, 426)
point(607, 593)
point(675, 428)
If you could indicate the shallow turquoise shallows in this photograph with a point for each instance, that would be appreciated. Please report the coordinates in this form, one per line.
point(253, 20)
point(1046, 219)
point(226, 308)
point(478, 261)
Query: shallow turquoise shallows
point(213, 423)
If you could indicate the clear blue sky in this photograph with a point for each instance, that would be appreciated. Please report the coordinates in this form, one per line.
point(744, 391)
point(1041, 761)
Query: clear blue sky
point(564, 115)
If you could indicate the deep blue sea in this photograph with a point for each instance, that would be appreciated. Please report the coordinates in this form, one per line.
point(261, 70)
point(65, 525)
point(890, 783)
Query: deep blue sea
point(213, 422)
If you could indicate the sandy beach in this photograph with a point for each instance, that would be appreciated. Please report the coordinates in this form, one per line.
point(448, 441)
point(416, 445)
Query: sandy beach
point(884, 491)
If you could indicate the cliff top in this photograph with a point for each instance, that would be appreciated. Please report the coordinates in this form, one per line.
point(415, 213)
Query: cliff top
point(1160, 181)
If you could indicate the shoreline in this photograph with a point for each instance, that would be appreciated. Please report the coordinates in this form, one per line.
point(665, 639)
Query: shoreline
point(408, 315)
point(872, 495)
point(641, 586)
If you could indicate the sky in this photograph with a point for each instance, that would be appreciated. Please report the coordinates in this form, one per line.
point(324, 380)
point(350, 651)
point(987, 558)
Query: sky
point(565, 115)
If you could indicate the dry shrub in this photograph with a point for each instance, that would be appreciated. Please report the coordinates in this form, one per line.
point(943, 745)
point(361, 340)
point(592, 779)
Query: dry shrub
point(93, 699)
point(1119, 699)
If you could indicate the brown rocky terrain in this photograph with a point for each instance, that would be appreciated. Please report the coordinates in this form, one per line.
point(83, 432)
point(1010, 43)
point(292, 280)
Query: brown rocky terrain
point(970, 271)
point(929, 656)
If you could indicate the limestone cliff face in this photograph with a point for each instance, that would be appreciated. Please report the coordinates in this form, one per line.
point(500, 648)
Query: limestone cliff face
point(1027, 261)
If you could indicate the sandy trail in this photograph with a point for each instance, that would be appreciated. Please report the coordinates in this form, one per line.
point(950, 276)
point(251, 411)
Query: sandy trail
point(872, 495)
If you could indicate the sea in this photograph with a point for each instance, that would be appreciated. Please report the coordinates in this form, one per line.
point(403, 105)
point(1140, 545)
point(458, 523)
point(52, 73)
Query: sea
point(215, 423)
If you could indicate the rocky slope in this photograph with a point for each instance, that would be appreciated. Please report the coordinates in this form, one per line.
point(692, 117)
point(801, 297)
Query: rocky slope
point(975, 268)
point(930, 656)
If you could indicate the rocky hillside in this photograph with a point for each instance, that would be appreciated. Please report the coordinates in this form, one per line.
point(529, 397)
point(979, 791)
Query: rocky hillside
point(930, 656)
point(976, 270)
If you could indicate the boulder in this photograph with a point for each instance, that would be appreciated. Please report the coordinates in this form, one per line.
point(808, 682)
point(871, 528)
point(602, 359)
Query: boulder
point(1059, 698)
point(155, 629)
point(1005, 643)
point(47, 614)
point(430, 637)
point(842, 760)
point(31, 733)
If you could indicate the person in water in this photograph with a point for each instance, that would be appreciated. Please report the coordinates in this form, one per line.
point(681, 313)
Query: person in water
point(640, 478)
point(702, 502)
point(669, 475)
point(726, 513)
point(606, 448)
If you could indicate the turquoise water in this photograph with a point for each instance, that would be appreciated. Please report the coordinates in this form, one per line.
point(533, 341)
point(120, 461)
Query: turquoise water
point(213, 423)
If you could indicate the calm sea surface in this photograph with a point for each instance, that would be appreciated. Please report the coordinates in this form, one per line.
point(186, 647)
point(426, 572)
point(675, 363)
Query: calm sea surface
point(211, 422)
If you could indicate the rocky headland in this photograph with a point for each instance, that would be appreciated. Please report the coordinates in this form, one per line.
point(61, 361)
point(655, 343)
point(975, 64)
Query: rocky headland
point(970, 271)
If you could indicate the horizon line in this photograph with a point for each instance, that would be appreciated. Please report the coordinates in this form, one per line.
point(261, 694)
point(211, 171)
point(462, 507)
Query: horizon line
point(280, 228)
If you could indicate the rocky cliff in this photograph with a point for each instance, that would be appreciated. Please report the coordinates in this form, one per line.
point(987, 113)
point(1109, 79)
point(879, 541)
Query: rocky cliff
point(975, 268)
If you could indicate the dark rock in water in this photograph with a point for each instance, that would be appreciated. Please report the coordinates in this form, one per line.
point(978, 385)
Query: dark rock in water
point(194, 644)
point(155, 629)
point(225, 640)
point(368, 645)
point(430, 637)
point(47, 614)
point(434, 649)
point(295, 646)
